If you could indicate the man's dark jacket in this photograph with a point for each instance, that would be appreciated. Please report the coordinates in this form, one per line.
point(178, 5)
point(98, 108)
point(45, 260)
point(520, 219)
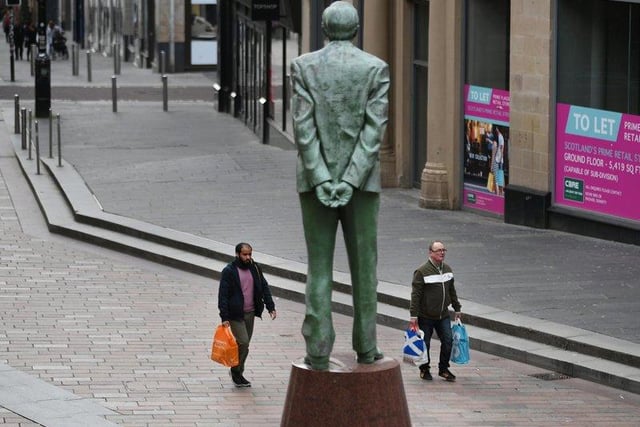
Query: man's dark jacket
point(432, 291)
point(230, 297)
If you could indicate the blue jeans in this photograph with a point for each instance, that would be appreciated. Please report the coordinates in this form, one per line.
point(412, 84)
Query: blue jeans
point(443, 329)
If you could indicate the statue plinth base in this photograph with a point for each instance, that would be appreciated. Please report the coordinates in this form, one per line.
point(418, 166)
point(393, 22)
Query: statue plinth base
point(348, 394)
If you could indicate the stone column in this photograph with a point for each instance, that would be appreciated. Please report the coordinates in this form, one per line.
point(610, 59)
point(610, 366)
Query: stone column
point(441, 177)
point(400, 106)
point(376, 40)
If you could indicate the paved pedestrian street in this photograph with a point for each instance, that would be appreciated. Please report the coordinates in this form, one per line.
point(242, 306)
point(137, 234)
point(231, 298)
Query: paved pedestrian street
point(135, 338)
point(93, 337)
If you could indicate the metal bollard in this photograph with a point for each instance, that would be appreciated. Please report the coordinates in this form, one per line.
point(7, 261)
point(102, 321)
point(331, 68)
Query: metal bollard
point(34, 52)
point(114, 54)
point(74, 59)
point(37, 150)
point(233, 96)
point(165, 94)
point(50, 134)
point(23, 122)
point(118, 59)
point(16, 119)
point(163, 57)
point(265, 114)
point(216, 91)
point(30, 140)
point(114, 94)
point(59, 142)
point(77, 60)
point(88, 65)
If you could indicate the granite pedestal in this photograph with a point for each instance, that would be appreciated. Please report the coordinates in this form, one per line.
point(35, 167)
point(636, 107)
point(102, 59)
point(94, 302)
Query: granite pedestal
point(348, 394)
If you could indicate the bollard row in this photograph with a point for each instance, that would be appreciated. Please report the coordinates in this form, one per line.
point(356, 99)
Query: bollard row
point(31, 141)
point(114, 87)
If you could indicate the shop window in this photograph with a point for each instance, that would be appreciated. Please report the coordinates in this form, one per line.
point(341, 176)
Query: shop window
point(203, 32)
point(599, 54)
point(487, 43)
point(420, 88)
point(486, 105)
point(597, 146)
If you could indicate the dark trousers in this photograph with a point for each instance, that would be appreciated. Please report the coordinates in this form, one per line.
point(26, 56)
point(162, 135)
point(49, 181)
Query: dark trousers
point(242, 331)
point(359, 220)
point(443, 329)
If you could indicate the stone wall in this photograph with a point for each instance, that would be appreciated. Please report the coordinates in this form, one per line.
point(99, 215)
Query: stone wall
point(531, 106)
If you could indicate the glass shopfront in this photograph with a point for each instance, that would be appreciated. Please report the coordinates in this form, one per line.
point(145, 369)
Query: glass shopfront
point(202, 32)
point(597, 146)
point(486, 105)
point(420, 89)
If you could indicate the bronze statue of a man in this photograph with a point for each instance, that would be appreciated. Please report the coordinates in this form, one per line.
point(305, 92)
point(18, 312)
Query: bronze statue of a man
point(339, 118)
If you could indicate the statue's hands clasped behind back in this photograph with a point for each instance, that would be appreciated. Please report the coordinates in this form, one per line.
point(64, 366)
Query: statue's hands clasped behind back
point(334, 195)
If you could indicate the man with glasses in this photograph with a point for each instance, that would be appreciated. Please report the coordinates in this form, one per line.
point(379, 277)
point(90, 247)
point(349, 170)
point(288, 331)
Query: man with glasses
point(432, 291)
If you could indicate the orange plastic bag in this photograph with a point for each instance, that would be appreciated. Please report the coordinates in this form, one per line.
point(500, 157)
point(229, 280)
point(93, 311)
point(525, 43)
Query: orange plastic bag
point(491, 182)
point(224, 349)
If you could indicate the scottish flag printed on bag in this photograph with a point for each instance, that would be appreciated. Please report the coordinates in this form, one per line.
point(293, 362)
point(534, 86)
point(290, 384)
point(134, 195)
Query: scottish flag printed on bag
point(460, 350)
point(414, 349)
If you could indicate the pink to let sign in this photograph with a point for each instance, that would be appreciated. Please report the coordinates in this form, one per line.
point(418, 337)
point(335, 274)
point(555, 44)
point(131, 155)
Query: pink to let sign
point(597, 161)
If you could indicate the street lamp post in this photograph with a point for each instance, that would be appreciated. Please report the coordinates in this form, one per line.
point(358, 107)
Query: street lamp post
point(43, 65)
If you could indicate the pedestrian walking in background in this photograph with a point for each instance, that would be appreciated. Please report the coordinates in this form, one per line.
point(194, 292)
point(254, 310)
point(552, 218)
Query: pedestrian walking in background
point(432, 291)
point(18, 40)
point(29, 38)
point(242, 296)
point(6, 23)
point(52, 31)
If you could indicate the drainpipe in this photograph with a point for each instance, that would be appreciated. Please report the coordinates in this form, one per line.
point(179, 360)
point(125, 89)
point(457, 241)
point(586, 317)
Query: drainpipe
point(172, 35)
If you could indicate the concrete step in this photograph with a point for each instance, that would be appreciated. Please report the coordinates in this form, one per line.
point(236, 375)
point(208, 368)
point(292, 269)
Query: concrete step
point(71, 209)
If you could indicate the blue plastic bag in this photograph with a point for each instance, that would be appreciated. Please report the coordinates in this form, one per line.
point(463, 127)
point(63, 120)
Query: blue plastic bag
point(414, 349)
point(460, 350)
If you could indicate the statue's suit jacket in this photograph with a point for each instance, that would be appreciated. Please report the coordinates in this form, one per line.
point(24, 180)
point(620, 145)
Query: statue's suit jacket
point(339, 108)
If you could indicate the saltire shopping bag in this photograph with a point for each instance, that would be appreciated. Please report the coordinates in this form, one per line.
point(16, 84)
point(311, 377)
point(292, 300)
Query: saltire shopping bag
point(460, 350)
point(224, 349)
point(414, 349)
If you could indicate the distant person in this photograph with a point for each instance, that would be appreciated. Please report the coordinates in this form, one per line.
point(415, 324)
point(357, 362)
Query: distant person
point(432, 291)
point(29, 38)
point(242, 296)
point(18, 40)
point(6, 24)
point(52, 32)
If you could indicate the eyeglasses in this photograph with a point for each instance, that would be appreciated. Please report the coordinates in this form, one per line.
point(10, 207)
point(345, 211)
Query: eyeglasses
point(440, 251)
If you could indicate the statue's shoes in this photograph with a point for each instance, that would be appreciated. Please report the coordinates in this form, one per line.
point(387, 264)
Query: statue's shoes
point(370, 356)
point(317, 363)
